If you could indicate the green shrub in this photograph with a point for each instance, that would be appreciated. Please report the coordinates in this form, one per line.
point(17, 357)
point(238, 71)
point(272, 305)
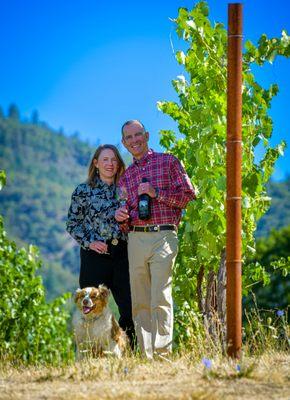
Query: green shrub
point(31, 330)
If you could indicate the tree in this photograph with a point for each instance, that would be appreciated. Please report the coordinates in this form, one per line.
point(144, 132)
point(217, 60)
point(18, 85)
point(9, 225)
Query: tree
point(31, 330)
point(13, 112)
point(201, 118)
point(273, 252)
point(35, 117)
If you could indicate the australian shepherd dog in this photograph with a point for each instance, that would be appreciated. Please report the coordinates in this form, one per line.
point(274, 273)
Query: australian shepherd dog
point(97, 332)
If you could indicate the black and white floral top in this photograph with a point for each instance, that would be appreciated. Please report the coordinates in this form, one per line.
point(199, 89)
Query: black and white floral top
point(91, 215)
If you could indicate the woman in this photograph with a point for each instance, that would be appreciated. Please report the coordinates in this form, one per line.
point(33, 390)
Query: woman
point(103, 246)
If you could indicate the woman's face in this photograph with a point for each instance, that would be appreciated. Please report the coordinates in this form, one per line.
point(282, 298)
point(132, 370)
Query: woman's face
point(107, 164)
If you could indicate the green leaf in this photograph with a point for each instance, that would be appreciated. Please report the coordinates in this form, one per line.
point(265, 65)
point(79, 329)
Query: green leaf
point(200, 113)
point(2, 179)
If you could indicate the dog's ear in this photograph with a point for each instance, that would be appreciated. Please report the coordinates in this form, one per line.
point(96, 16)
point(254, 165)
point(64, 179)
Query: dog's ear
point(77, 294)
point(104, 291)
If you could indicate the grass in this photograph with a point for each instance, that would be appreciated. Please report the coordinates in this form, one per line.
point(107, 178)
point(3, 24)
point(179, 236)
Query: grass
point(182, 377)
point(199, 370)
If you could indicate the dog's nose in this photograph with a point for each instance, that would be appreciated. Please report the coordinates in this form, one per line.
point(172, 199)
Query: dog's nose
point(85, 301)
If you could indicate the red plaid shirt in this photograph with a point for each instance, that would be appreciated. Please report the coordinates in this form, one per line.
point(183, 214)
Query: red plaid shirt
point(164, 172)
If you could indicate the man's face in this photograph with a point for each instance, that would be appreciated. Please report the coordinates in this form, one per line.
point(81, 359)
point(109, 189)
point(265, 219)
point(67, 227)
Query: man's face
point(135, 140)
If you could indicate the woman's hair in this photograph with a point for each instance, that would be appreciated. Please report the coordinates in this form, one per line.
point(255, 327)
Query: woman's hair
point(93, 171)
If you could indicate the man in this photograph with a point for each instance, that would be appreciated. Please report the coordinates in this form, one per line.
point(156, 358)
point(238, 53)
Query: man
point(152, 243)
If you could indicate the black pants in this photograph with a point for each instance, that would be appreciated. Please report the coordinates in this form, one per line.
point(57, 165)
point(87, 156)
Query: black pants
point(113, 271)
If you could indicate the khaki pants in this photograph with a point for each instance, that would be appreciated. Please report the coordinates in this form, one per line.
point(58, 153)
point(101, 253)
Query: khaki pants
point(151, 258)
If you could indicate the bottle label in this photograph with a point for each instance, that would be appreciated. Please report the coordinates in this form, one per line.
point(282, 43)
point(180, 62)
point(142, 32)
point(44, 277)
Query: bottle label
point(143, 209)
point(143, 205)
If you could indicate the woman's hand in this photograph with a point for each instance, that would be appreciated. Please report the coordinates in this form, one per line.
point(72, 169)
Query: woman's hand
point(121, 214)
point(99, 247)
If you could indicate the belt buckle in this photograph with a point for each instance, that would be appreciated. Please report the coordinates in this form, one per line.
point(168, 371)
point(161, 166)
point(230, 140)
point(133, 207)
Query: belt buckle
point(156, 228)
point(115, 242)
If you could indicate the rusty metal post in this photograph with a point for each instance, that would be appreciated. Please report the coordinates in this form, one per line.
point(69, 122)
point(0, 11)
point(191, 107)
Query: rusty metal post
point(234, 163)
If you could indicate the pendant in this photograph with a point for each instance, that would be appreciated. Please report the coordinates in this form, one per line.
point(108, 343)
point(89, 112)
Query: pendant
point(115, 242)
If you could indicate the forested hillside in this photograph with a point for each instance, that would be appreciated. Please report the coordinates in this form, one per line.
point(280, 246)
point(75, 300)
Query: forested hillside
point(278, 216)
point(43, 166)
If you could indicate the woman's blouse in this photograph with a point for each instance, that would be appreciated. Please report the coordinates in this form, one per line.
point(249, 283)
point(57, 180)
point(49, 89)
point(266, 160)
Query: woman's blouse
point(91, 215)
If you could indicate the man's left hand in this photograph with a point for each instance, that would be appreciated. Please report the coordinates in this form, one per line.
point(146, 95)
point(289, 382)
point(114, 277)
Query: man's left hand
point(147, 188)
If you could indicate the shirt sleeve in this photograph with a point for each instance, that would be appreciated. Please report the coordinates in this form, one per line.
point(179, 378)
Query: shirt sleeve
point(181, 190)
point(75, 220)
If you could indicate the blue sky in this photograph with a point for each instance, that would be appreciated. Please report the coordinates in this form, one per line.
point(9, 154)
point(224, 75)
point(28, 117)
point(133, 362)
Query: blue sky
point(88, 66)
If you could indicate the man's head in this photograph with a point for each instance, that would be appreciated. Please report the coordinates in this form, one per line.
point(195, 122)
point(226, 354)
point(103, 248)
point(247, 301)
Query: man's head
point(135, 138)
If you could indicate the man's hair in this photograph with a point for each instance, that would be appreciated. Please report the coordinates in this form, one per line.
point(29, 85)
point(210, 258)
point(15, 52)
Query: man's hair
point(130, 122)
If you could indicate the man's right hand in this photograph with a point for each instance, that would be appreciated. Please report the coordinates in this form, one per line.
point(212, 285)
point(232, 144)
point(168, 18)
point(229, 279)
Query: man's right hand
point(121, 214)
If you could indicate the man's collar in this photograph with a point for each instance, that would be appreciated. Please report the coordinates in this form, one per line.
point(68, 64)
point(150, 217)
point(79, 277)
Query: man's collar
point(144, 158)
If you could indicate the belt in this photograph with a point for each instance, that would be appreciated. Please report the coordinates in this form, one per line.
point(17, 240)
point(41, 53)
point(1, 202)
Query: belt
point(153, 228)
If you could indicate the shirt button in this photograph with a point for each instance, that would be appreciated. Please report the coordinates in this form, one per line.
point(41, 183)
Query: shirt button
point(143, 169)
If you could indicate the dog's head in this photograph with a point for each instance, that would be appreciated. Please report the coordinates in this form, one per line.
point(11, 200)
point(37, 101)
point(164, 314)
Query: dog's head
point(92, 301)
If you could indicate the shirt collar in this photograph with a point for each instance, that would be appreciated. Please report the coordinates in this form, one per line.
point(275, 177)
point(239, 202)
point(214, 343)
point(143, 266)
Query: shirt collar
point(145, 158)
point(103, 185)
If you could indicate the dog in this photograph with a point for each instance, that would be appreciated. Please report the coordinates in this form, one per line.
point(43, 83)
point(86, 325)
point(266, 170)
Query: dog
point(97, 332)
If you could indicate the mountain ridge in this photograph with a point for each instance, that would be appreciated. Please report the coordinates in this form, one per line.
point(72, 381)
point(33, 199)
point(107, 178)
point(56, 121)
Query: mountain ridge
point(43, 166)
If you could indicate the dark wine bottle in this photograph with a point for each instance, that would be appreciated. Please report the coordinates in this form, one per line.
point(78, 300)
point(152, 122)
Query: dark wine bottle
point(144, 204)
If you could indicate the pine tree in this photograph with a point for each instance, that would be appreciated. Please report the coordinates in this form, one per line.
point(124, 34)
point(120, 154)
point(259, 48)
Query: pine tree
point(13, 112)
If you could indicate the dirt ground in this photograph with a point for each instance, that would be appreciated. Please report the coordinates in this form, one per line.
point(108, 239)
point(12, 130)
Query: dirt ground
point(265, 378)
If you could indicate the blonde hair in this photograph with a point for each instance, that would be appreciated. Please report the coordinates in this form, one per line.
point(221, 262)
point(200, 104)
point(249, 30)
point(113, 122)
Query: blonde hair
point(93, 171)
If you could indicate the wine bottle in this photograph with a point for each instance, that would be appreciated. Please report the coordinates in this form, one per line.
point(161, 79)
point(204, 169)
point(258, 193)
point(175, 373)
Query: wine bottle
point(144, 204)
